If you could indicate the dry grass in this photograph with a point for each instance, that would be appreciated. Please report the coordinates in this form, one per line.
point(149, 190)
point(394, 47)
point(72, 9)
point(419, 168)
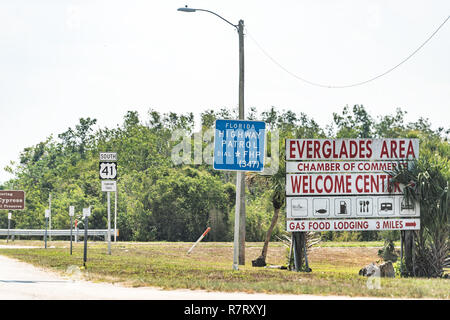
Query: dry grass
point(167, 265)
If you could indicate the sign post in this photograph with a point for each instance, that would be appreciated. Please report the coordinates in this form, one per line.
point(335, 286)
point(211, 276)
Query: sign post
point(115, 215)
point(86, 214)
point(76, 230)
point(9, 226)
point(71, 214)
point(108, 172)
point(47, 215)
point(239, 145)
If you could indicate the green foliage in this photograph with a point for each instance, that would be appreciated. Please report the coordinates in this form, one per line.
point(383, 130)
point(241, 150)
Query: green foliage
point(158, 200)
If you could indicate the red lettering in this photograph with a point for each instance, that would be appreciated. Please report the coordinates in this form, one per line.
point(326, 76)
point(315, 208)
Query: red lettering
point(348, 184)
point(309, 149)
point(410, 151)
point(317, 149)
point(361, 149)
point(326, 152)
point(358, 189)
point(384, 150)
point(302, 148)
point(339, 184)
point(366, 183)
point(335, 155)
point(292, 148)
point(343, 150)
point(369, 149)
point(296, 183)
point(401, 150)
point(374, 182)
point(330, 187)
point(305, 183)
point(353, 149)
point(317, 182)
point(393, 149)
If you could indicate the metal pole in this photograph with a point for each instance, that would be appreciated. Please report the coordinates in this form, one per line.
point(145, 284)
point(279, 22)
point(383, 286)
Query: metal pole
point(115, 214)
point(9, 225)
point(50, 216)
point(240, 179)
point(236, 222)
point(85, 239)
point(76, 231)
point(45, 234)
point(71, 223)
point(109, 222)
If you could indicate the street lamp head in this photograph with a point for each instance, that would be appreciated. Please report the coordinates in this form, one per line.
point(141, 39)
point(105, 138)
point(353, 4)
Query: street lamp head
point(186, 9)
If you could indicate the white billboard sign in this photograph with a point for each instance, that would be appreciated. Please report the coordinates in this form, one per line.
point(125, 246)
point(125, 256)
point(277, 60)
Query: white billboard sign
point(343, 179)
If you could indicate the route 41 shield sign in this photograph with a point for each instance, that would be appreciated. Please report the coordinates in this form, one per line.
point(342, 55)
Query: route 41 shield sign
point(108, 170)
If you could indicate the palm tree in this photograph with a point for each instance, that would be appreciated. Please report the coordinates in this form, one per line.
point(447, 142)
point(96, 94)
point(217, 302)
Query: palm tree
point(425, 182)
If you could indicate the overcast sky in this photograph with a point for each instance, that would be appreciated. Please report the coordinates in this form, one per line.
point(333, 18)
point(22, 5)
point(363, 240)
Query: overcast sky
point(63, 60)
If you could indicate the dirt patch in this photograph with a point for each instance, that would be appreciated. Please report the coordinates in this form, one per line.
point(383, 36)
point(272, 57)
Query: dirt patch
point(352, 257)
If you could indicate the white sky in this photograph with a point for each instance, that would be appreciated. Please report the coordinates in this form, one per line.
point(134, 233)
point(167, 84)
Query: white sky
point(62, 60)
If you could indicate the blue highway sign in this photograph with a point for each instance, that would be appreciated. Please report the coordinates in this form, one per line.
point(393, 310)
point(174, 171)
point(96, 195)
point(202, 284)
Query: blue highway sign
point(239, 145)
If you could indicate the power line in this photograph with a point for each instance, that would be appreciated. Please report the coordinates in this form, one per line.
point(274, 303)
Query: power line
point(354, 84)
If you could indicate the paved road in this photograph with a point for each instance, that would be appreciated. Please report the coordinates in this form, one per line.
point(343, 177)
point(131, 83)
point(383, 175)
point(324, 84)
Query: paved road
point(22, 281)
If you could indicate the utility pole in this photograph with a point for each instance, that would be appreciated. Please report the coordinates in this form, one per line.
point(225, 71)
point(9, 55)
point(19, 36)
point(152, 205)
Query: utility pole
point(239, 221)
point(240, 178)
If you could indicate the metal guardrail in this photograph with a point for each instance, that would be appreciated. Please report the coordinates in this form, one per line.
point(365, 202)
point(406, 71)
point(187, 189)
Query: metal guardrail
point(55, 233)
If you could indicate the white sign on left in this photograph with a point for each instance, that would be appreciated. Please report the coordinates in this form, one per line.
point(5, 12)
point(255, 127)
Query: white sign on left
point(109, 185)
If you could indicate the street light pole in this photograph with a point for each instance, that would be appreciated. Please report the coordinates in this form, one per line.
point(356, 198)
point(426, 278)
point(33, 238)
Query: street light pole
point(240, 217)
point(240, 179)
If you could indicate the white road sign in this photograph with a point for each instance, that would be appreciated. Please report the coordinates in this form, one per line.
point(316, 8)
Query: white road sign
point(71, 211)
point(109, 185)
point(108, 156)
point(108, 170)
point(86, 212)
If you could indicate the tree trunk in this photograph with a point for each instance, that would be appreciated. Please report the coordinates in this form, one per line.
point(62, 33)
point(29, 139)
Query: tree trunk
point(298, 239)
point(409, 251)
point(276, 212)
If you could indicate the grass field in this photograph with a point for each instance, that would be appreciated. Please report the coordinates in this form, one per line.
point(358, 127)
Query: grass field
point(334, 266)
